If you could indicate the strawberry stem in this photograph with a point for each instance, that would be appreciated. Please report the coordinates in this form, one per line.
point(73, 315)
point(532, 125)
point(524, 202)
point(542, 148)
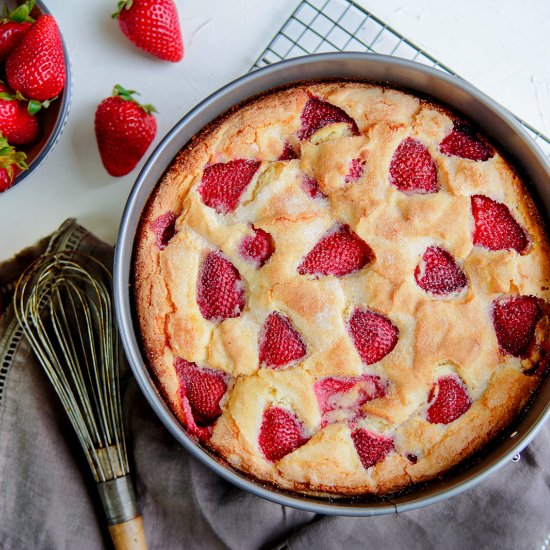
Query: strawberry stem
point(122, 5)
point(127, 95)
point(21, 14)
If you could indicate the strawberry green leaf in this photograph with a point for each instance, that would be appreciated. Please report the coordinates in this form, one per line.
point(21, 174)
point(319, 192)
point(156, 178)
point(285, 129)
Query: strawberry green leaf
point(127, 95)
point(122, 92)
point(148, 108)
point(122, 5)
point(33, 107)
point(9, 156)
point(21, 13)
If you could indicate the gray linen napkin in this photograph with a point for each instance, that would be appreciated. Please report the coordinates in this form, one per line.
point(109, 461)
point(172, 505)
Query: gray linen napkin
point(48, 501)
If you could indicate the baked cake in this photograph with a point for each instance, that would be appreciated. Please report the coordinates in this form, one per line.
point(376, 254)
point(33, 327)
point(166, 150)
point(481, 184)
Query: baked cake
point(342, 288)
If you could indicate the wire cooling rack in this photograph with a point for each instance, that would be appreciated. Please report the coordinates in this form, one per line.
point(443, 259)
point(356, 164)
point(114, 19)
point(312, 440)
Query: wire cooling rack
point(318, 26)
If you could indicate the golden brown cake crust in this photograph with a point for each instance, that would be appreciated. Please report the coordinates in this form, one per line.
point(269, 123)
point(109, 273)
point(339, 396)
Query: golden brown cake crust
point(438, 336)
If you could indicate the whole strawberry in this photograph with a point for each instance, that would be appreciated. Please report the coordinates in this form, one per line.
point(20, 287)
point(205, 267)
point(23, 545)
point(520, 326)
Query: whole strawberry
point(13, 26)
point(10, 162)
point(36, 67)
point(124, 130)
point(153, 26)
point(16, 123)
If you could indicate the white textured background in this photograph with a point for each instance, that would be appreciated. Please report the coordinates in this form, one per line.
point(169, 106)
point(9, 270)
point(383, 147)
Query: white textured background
point(501, 46)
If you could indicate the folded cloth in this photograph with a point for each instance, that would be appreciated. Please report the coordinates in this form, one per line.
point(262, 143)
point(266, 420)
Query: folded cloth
point(48, 499)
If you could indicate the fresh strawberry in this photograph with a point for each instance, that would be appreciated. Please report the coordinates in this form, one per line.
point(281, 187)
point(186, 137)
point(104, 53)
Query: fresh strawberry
point(412, 169)
point(372, 448)
point(201, 391)
point(342, 397)
point(16, 123)
point(311, 187)
point(447, 400)
point(438, 272)
point(13, 26)
point(373, 335)
point(280, 433)
point(153, 26)
point(515, 319)
point(11, 162)
point(164, 228)
point(288, 152)
point(257, 249)
point(11, 34)
point(464, 142)
point(318, 113)
point(220, 291)
point(356, 170)
point(124, 130)
point(338, 253)
point(280, 343)
point(495, 227)
point(36, 67)
point(6, 179)
point(223, 184)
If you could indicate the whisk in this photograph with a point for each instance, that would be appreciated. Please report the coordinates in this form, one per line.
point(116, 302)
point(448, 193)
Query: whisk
point(63, 303)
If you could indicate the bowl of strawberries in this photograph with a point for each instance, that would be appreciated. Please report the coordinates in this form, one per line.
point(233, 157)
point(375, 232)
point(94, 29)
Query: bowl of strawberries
point(35, 85)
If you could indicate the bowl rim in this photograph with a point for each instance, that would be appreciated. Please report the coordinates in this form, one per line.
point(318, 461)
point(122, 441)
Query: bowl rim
point(231, 93)
point(62, 115)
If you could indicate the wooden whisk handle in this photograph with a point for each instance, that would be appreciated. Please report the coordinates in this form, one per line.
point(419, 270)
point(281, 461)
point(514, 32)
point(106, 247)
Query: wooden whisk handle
point(125, 524)
point(129, 535)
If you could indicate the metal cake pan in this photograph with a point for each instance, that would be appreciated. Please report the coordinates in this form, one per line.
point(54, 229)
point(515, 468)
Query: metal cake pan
point(498, 123)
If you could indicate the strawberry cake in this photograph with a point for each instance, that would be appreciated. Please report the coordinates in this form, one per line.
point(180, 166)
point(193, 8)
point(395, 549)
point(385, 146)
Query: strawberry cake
point(343, 289)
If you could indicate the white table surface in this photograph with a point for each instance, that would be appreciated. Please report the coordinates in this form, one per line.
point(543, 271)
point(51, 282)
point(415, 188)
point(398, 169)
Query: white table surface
point(501, 46)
